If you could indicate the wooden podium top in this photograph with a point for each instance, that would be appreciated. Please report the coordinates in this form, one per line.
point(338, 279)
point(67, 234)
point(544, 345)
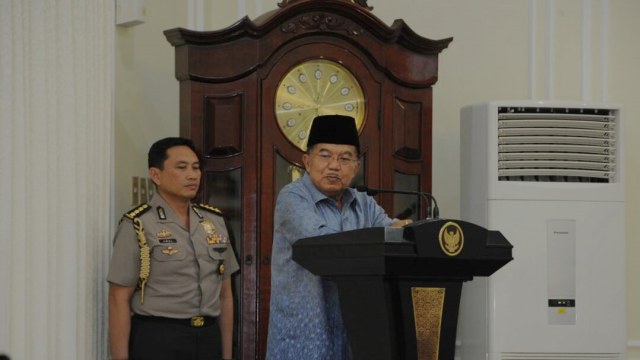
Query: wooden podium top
point(441, 248)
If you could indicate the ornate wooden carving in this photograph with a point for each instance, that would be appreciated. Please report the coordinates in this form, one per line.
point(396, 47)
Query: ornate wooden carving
point(362, 3)
point(321, 21)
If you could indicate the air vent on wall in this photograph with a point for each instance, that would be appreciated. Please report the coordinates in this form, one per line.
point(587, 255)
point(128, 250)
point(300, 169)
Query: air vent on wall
point(552, 144)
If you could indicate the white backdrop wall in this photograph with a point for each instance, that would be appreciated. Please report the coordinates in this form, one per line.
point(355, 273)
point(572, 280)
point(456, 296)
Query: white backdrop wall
point(502, 49)
point(56, 112)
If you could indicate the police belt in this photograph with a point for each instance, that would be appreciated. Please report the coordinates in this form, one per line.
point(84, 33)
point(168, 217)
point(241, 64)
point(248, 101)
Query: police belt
point(196, 321)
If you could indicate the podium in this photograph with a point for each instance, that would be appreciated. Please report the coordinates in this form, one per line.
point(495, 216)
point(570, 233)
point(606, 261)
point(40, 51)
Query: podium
point(400, 288)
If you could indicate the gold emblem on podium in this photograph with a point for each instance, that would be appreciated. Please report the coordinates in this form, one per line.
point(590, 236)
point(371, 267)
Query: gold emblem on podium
point(451, 238)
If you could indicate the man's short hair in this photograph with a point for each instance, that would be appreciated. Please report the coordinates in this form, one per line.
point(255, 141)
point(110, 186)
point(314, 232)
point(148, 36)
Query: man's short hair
point(158, 151)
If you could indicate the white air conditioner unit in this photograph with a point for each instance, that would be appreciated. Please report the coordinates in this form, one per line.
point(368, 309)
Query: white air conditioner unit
point(549, 176)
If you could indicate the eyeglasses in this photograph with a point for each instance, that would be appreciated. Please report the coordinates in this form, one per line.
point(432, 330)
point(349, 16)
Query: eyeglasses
point(343, 160)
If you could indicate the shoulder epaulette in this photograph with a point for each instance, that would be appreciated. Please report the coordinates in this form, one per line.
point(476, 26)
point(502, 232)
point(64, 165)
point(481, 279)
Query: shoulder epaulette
point(145, 251)
point(210, 208)
point(137, 211)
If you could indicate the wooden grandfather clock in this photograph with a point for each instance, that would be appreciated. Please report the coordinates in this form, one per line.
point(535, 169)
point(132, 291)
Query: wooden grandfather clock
point(248, 94)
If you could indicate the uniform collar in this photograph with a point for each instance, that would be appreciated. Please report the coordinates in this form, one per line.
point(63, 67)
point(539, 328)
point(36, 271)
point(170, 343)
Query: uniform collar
point(164, 213)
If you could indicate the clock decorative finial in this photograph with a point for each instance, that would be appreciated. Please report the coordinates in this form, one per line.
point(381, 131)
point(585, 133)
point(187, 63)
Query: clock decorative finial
point(362, 3)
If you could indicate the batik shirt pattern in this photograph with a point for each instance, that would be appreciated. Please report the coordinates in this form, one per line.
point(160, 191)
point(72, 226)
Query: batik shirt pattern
point(305, 320)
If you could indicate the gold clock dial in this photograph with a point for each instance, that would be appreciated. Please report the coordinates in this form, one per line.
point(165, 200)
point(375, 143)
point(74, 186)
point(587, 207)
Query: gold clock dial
point(312, 88)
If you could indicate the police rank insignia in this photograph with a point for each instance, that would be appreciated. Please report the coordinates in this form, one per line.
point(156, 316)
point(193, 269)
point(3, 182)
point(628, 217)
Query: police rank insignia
point(161, 214)
point(163, 234)
point(169, 250)
point(210, 230)
point(451, 238)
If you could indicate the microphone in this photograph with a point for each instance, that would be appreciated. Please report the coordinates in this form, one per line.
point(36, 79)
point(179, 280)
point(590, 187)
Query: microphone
point(427, 197)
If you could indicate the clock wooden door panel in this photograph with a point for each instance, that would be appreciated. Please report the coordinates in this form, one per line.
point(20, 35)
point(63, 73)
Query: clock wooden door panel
point(407, 149)
point(248, 93)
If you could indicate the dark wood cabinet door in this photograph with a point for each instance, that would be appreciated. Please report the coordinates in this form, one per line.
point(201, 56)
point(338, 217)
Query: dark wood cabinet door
point(228, 87)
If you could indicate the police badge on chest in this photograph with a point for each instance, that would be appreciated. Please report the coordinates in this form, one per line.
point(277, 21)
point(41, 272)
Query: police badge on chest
point(217, 241)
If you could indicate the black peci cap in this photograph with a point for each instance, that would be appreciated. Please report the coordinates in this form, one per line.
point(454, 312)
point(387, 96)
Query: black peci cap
point(333, 129)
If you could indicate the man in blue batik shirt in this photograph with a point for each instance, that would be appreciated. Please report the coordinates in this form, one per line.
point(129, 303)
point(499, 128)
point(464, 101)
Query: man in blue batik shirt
point(305, 321)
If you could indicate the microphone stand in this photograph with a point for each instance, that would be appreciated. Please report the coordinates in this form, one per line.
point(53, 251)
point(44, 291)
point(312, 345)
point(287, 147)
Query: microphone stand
point(427, 197)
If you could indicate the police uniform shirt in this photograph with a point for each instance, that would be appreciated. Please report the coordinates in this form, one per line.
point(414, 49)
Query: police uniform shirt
point(187, 267)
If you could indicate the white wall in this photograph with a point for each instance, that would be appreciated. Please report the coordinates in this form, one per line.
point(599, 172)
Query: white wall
point(502, 49)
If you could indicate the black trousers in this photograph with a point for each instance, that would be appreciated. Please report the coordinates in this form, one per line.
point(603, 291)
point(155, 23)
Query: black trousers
point(154, 339)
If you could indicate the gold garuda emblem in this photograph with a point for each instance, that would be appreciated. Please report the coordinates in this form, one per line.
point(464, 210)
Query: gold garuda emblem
point(451, 238)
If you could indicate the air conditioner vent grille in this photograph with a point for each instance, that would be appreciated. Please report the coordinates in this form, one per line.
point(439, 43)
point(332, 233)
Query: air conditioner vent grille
point(559, 356)
point(556, 144)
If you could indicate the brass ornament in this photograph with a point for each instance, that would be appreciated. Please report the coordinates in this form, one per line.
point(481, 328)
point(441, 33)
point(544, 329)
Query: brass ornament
point(296, 172)
point(197, 321)
point(451, 238)
point(428, 306)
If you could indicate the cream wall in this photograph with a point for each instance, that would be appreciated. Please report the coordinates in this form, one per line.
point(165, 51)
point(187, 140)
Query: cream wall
point(146, 95)
point(583, 50)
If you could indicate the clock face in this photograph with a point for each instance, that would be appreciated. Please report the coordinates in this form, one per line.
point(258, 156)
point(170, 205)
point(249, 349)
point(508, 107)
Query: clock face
point(312, 88)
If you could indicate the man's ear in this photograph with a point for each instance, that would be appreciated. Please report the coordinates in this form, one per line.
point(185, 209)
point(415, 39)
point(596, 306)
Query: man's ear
point(154, 175)
point(306, 159)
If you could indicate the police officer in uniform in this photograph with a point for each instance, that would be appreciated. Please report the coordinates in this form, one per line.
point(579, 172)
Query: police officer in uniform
point(169, 281)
